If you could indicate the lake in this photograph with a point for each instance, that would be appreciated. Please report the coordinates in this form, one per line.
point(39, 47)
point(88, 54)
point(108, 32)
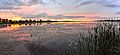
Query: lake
point(50, 38)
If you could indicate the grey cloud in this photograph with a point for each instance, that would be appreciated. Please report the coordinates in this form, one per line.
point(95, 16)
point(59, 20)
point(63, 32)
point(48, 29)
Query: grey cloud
point(34, 16)
point(112, 5)
point(55, 2)
point(106, 3)
point(62, 16)
point(10, 4)
point(118, 12)
point(56, 16)
point(9, 8)
point(84, 3)
point(33, 2)
point(40, 15)
point(14, 4)
point(74, 16)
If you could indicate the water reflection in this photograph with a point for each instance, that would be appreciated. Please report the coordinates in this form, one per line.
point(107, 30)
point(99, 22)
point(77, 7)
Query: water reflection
point(67, 38)
point(10, 27)
point(2, 26)
point(39, 38)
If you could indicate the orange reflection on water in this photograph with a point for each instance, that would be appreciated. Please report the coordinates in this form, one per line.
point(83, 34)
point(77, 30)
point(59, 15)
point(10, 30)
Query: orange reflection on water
point(11, 27)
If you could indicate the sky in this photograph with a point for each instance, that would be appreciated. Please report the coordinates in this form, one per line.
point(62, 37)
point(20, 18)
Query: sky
point(60, 8)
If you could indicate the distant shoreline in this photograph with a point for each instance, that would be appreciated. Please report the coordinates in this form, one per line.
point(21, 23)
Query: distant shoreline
point(23, 22)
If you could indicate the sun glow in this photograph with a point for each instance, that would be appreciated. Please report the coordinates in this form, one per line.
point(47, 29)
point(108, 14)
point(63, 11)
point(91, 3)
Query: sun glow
point(9, 15)
point(15, 19)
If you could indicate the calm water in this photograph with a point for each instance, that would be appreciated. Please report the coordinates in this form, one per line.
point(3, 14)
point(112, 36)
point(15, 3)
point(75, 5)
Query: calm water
point(41, 38)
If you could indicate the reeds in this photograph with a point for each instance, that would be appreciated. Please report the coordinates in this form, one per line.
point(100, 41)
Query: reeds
point(104, 39)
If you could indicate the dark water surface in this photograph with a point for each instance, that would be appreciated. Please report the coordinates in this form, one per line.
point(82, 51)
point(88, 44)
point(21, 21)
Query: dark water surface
point(41, 38)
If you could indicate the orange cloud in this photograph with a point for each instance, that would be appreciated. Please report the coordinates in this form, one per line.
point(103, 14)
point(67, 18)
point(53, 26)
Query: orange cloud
point(8, 15)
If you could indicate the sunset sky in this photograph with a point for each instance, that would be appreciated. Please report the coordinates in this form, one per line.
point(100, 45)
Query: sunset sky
point(60, 8)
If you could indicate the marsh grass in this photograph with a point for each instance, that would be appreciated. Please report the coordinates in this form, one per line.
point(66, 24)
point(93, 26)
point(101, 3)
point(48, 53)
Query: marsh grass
point(104, 39)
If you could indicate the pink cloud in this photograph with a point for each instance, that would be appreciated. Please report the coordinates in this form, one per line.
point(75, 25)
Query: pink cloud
point(27, 10)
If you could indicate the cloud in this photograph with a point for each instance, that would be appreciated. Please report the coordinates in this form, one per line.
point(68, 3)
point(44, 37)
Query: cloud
point(118, 12)
point(74, 16)
point(34, 2)
point(9, 4)
point(105, 3)
point(14, 4)
point(40, 15)
point(56, 7)
point(84, 3)
point(35, 16)
point(62, 16)
point(17, 4)
point(8, 14)
point(9, 8)
point(56, 2)
point(56, 16)
point(112, 5)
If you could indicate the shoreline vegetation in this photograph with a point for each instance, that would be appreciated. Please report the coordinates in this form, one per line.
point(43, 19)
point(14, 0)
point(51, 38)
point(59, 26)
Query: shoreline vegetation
point(6, 21)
